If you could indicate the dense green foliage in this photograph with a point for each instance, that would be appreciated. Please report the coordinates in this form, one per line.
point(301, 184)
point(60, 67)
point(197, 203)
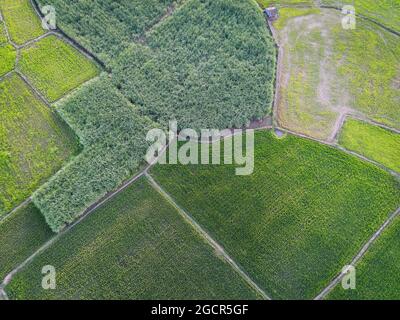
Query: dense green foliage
point(34, 142)
point(373, 142)
point(21, 234)
point(297, 220)
point(378, 273)
point(22, 22)
point(7, 58)
point(113, 135)
point(107, 27)
point(55, 67)
point(211, 66)
point(136, 246)
point(386, 12)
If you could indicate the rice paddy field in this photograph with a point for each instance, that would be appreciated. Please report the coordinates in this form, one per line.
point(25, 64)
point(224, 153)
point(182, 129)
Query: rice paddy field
point(55, 68)
point(378, 273)
point(77, 103)
point(297, 220)
point(7, 57)
point(376, 143)
point(34, 142)
point(386, 12)
point(135, 246)
point(21, 234)
point(21, 19)
point(324, 68)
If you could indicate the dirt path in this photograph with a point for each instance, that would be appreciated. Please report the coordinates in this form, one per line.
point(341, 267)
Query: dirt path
point(24, 203)
point(359, 256)
point(219, 249)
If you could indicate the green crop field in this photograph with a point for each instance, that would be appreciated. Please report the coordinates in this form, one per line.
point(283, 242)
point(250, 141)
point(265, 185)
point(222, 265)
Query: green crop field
point(107, 27)
point(22, 22)
point(297, 220)
point(7, 57)
point(210, 66)
point(324, 70)
point(135, 246)
point(373, 142)
point(386, 12)
point(34, 143)
point(21, 234)
point(55, 67)
point(3, 35)
point(378, 273)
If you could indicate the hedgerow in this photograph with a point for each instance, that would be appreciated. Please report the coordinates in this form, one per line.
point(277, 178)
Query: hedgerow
point(113, 136)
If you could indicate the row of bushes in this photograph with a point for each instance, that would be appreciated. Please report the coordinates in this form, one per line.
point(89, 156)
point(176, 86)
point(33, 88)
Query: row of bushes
point(113, 136)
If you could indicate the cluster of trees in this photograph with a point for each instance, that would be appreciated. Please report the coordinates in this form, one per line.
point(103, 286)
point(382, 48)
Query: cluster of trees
point(211, 66)
point(112, 133)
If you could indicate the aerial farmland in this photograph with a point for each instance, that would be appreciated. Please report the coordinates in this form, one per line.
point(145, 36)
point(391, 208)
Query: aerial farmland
point(199, 150)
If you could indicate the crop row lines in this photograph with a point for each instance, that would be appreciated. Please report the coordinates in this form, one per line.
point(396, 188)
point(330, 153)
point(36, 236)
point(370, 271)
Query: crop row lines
point(188, 218)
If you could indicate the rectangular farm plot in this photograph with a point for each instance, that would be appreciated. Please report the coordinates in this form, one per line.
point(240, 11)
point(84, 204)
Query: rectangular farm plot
point(136, 246)
point(297, 220)
point(33, 142)
point(55, 67)
point(374, 142)
point(378, 273)
point(21, 234)
point(21, 19)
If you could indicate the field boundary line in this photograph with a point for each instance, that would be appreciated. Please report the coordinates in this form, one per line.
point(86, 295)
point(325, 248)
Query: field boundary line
point(338, 147)
point(22, 204)
point(68, 39)
point(85, 214)
point(28, 83)
point(359, 255)
point(389, 29)
point(206, 236)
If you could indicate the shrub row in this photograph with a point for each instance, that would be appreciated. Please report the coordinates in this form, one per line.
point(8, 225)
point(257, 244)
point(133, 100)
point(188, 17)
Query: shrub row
point(113, 135)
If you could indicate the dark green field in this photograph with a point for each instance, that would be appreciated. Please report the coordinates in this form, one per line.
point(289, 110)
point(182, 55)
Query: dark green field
point(292, 225)
point(136, 246)
point(21, 234)
point(378, 273)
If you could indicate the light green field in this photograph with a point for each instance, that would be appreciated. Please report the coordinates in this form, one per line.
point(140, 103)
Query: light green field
point(386, 12)
point(286, 14)
point(297, 220)
point(325, 69)
point(373, 142)
point(136, 246)
point(55, 67)
point(3, 35)
point(378, 273)
point(21, 234)
point(33, 142)
point(22, 21)
point(7, 58)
